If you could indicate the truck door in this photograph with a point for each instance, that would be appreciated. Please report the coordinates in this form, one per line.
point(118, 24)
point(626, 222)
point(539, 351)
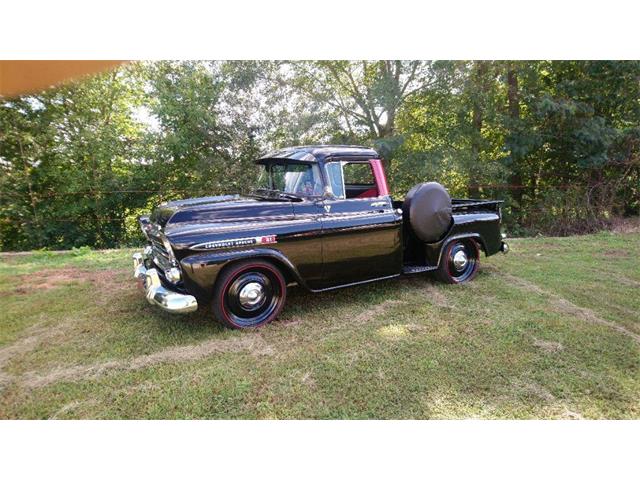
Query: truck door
point(361, 232)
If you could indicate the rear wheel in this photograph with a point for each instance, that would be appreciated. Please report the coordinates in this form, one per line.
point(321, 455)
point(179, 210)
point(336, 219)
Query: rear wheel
point(460, 261)
point(249, 294)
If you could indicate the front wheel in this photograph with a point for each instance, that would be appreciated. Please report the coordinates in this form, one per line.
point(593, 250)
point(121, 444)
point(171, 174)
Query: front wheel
point(460, 261)
point(249, 294)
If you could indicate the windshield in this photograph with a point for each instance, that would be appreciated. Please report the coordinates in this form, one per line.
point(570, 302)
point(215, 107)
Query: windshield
point(293, 178)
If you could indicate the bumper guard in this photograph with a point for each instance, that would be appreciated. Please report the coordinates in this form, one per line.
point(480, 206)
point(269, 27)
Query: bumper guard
point(156, 293)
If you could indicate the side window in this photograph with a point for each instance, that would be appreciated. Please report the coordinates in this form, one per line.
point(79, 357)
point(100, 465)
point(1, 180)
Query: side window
point(359, 181)
point(358, 174)
point(336, 182)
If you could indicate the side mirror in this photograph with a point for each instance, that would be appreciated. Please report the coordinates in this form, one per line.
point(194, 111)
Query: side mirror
point(327, 194)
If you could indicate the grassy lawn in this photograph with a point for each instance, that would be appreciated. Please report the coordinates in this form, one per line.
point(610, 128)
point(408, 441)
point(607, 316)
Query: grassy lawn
point(551, 330)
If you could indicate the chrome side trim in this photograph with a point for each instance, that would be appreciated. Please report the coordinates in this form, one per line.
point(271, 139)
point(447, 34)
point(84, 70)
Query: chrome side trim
point(361, 214)
point(238, 225)
point(356, 283)
point(157, 294)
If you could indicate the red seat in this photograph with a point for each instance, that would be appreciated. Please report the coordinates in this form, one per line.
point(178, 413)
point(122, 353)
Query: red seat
point(372, 192)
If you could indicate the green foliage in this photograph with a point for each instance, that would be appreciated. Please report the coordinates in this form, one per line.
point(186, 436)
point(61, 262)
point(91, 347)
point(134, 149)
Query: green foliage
point(65, 151)
point(558, 141)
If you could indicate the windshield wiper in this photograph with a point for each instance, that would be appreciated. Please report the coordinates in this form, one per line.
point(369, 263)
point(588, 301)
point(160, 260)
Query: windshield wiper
point(278, 193)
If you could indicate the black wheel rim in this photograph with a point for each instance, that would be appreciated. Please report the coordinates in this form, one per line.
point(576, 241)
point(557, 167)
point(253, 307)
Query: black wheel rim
point(252, 297)
point(462, 261)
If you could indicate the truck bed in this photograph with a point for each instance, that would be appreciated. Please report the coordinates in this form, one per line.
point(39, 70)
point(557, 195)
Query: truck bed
point(464, 205)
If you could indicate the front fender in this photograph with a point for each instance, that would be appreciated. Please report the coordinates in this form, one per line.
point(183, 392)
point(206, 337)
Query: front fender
point(201, 270)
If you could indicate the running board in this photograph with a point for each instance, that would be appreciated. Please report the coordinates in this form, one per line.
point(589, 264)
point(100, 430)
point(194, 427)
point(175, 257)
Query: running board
point(411, 269)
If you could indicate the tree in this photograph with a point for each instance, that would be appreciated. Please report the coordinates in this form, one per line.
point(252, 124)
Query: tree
point(365, 95)
point(558, 141)
point(70, 147)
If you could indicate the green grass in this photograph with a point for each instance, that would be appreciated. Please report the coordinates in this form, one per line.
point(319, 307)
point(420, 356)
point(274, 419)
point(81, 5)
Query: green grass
point(551, 330)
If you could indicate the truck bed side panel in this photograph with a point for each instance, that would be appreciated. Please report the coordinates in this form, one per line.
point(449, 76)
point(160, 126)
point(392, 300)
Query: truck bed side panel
point(482, 226)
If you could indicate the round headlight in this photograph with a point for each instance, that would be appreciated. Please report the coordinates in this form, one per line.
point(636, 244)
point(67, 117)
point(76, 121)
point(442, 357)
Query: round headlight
point(173, 275)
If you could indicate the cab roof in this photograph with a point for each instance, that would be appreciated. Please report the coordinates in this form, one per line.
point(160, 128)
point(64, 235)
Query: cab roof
point(318, 153)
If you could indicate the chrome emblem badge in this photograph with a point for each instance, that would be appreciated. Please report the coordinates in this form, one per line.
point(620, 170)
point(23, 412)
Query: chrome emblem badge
point(236, 242)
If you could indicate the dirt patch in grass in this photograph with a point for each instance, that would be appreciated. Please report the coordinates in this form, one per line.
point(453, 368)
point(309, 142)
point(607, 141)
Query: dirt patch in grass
point(246, 342)
point(549, 347)
point(57, 277)
point(615, 254)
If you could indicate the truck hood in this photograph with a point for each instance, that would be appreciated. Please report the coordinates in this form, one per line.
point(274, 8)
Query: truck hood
point(181, 216)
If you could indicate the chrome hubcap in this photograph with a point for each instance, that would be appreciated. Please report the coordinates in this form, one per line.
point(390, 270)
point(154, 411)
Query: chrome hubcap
point(251, 295)
point(460, 260)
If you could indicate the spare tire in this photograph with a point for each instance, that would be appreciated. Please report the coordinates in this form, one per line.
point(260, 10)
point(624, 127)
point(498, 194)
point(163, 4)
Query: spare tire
point(427, 208)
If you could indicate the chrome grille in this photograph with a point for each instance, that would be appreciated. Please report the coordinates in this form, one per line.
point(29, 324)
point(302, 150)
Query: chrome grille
point(159, 253)
point(158, 247)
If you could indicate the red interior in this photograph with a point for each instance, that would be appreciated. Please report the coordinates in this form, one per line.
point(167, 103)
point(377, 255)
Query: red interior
point(372, 192)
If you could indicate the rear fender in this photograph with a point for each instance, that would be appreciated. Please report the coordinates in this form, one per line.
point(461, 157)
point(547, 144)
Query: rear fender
point(202, 270)
point(471, 236)
point(484, 228)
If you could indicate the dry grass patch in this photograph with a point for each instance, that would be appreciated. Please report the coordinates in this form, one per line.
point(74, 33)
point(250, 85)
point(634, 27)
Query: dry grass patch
point(48, 279)
point(547, 346)
point(562, 305)
point(376, 311)
point(252, 343)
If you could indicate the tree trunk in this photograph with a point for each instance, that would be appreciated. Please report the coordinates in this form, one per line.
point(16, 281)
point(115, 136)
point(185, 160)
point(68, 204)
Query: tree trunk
point(479, 87)
point(513, 99)
point(32, 198)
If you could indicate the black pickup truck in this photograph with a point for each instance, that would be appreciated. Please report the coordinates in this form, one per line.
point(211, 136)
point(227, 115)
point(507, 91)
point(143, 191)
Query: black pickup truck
point(321, 217)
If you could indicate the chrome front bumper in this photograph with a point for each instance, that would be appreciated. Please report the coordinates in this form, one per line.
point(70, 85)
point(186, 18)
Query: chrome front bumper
point(157, 294)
